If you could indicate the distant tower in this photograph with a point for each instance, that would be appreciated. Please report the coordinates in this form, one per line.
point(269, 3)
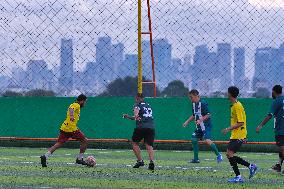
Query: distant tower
point(224, 64)
point(66, 66)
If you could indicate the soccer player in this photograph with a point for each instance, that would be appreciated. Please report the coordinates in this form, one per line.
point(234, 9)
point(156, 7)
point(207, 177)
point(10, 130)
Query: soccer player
point(277, 111)
point(68, 130)
point(145, 130)
point(202, 117)
point(238, 136)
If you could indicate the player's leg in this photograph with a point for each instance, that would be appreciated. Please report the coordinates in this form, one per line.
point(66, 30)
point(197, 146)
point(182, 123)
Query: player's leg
point(62, 138)
point(194, 140)
point(136, 138)
point(149, 141)
point(280, 144)
point(282, 157)
point(233, 162)
point(209, 142)
point(79, 136)
point(277, 167)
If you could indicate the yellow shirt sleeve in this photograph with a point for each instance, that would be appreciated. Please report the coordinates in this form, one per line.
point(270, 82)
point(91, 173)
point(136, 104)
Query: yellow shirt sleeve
point(240, 114)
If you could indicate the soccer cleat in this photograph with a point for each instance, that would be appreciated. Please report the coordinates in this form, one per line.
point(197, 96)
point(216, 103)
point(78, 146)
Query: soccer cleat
point(139, 164)
point(43, 161)
point(151, 166)
point(194, 161)
point(237, 179)
point(276, 167)
point(81, 162)
point(219, 158)
point(252, 170)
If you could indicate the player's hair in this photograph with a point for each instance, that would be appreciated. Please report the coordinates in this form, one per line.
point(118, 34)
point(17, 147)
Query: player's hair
point(194, 92)
point(234, 91)
point(277, 89)
point(140, 95)
point(81, 97)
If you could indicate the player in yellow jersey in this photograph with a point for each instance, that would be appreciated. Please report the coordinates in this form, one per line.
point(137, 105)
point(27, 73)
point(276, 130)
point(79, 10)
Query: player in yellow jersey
point(68, 130)
point(238, 130)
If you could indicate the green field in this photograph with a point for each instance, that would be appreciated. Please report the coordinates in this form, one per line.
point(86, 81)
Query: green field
point(20, 168)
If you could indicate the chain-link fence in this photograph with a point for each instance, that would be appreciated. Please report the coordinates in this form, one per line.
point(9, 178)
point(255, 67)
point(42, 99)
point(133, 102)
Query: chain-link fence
point(90, 46)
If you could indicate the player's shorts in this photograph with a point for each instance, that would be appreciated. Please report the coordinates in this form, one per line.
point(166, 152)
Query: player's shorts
point(202, 135)
point(144, 133)
point(235, 144)
point(279, 139)
point(65, 136)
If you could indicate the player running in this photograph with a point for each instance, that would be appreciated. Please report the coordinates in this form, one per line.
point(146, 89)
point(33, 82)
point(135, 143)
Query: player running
point(202, 117)
point(277, 111)
point(145, 130)
point(68, 130)
point(238, 136)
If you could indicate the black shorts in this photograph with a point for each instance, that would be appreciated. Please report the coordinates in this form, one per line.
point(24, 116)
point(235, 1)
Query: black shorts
point(235, 144)
point(144, 133)
point(279, 139)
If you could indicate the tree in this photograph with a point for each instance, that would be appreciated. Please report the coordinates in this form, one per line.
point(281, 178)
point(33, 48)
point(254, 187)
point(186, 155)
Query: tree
point(40, 92)
point(175, 89)
point(127, 87)
point(262, 93)
point(11, 94)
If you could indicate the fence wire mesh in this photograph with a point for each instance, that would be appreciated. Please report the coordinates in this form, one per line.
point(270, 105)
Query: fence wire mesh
point(63, 48)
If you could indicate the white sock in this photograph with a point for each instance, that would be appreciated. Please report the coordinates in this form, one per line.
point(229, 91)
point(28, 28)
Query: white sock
point(47, 154)
point(80, 156)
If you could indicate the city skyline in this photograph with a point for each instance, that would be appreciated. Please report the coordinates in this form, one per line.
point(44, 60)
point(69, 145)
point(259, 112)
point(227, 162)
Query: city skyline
point(186, 24)
point(207, 70)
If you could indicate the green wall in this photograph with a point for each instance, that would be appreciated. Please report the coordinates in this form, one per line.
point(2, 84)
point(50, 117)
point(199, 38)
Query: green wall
point(102, 117)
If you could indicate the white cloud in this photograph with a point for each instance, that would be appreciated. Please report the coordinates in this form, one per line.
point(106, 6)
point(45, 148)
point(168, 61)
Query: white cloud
point(267, 3)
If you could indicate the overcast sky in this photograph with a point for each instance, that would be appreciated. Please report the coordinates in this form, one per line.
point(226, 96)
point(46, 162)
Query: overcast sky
point(32, 29)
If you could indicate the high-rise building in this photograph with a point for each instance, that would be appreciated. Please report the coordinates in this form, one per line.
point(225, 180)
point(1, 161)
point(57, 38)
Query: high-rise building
point(199, 65)
point(268, 64)
point(129, 66)
point(240, 80)
point(104, 60)
point(118, 57)
point(38, 75)
point(224, 65)
point(146, 59)
point(163, 59)
point(66, 67)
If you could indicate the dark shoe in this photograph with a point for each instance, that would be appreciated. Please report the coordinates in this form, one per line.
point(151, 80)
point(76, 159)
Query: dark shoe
point(139, 164)
point(276, 167)
point(81, 162)
point(194, 161)
point(43, 161)
point(151, 166)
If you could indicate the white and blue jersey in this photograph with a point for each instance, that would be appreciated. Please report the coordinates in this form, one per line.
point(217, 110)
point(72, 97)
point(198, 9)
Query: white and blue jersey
point(200, 109)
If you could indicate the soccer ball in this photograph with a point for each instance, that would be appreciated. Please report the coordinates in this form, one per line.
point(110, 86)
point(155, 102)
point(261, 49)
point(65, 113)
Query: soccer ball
point(91, 160)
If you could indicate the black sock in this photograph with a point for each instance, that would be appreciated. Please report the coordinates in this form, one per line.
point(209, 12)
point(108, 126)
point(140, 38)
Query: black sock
point(234, 165)
point(280, 158)
point(241, 161)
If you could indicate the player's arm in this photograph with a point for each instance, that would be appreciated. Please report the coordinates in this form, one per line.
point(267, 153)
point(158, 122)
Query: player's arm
point(266, 119)
point(135, 117)
point(240, 120)
point(233, 127)
point(71, 114)
point(273, 110)
point(205, 112)
point(203, 118)
point(190, 119)
point(126, 116)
